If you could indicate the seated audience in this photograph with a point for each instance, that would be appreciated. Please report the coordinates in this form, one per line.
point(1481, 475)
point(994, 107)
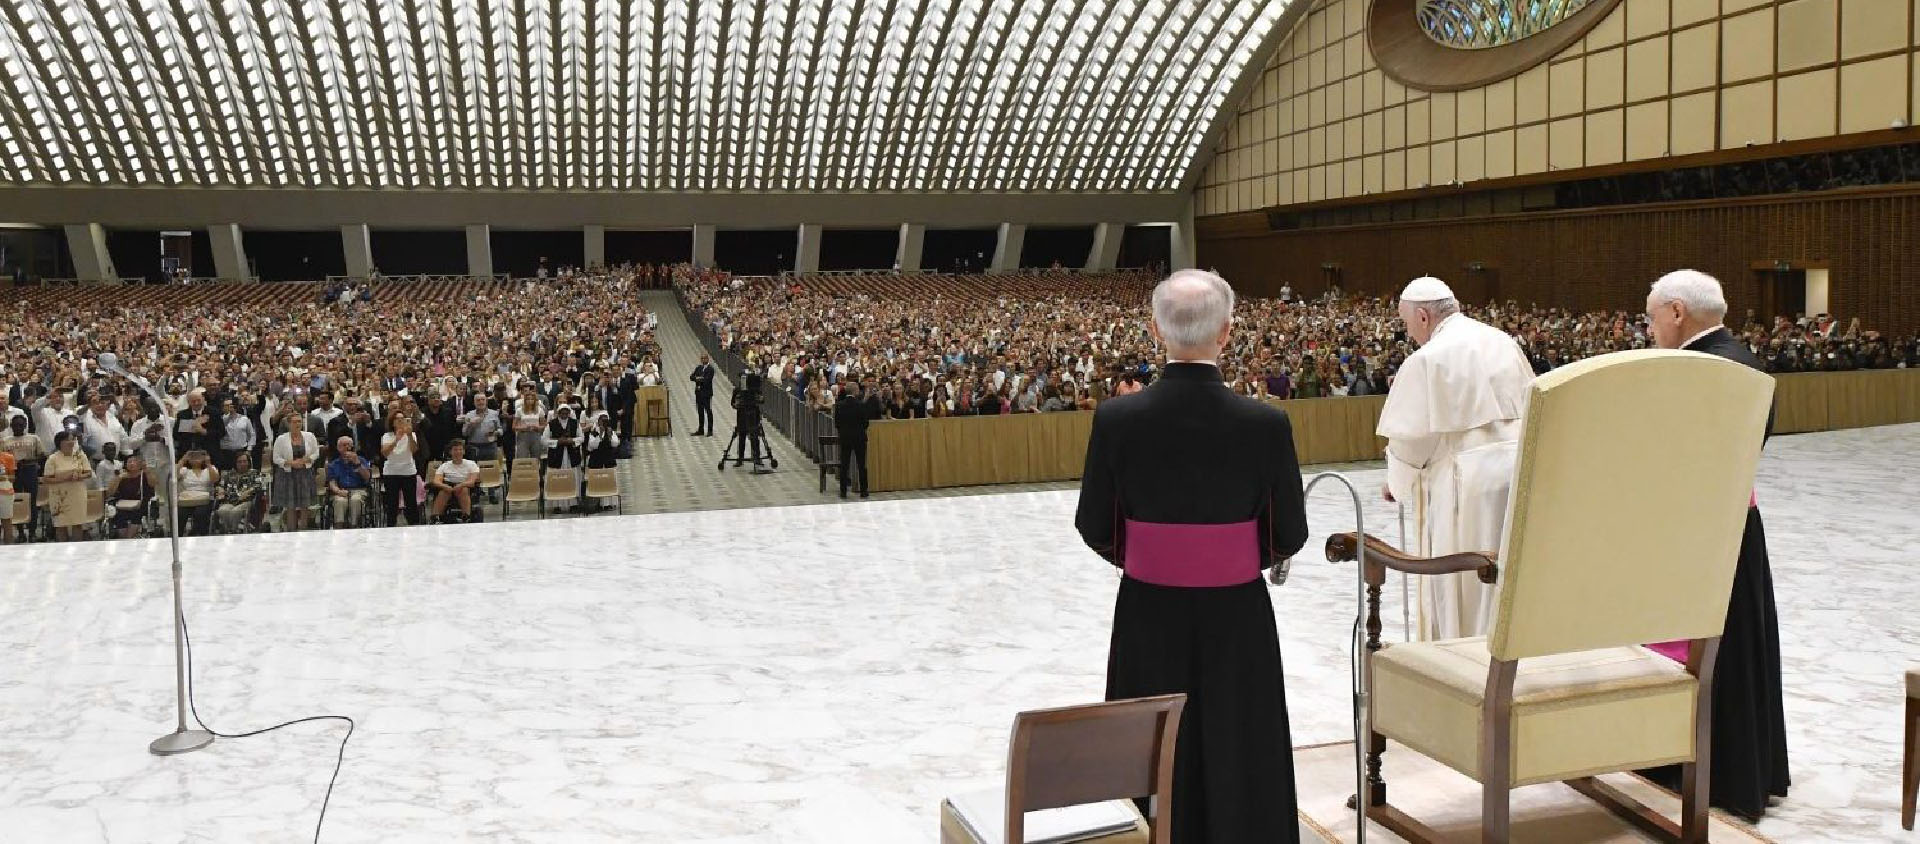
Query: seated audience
point(454, 481)
point(349, 482)
point(239, 494)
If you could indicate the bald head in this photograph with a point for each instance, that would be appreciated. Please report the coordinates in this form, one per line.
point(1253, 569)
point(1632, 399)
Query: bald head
point(1192, 310)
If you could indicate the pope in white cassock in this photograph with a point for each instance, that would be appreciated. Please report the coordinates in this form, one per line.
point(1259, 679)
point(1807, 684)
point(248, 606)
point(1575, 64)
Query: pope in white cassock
point(1451, 422)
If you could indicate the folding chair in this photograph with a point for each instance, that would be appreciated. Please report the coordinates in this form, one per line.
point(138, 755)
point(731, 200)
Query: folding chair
point(563, 487)
point(523, 487)
point(525, 465)
point(97, 511)
point(1095, 757)
point(491, 477)
point(19, 513)
point(829, 458)
point(603, 483)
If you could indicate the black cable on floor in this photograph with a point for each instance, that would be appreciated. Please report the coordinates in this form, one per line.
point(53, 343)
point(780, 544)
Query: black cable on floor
point(338, 760)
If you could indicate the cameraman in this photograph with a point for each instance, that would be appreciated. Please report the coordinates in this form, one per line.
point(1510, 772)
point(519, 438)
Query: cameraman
point(746, 408)
point(856, 408)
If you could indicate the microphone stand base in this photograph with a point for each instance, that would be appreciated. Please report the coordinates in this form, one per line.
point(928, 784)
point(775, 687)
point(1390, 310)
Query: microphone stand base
point(182, 741)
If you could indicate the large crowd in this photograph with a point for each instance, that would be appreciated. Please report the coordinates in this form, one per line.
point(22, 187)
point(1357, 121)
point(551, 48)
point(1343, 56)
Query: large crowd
point(966, 345)
point(371, 403)
point(304, 400)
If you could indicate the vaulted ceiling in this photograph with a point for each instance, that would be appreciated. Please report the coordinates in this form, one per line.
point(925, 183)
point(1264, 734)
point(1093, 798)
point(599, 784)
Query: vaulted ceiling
point(848, 96)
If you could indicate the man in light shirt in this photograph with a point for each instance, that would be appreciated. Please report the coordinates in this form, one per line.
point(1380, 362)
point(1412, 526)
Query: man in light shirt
point(454, 480)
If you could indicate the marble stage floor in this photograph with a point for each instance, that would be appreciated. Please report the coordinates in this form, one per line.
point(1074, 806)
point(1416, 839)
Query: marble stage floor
point(793, 674)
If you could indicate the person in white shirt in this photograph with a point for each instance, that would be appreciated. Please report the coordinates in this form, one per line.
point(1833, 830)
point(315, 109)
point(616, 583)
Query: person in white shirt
point(107, 468)
point(1451, 421)
point(400, 473)
point(454, 480)
point(99, 426)
point(198, 480)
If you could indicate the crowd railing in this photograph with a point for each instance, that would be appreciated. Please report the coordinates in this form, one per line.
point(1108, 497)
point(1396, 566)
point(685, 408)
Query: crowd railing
point(783, 410)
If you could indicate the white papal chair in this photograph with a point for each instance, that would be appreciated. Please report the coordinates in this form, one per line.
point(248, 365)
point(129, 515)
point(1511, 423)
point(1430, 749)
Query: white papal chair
point(1629, 498)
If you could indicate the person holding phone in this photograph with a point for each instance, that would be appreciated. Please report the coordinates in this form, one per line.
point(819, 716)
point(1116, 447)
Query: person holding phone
point(63, 485)
point(400, 471)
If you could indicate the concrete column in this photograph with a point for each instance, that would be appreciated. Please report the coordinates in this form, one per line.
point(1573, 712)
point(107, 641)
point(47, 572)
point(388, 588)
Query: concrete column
point(1006, 251)
point(359, 248)
point(91, 261)
point(480, 251)
point(1182, 252)
point(596, 251)
point(1105, 253)
point(913, 236)
point(806, 254)
point(229, 252)
point(703, 235)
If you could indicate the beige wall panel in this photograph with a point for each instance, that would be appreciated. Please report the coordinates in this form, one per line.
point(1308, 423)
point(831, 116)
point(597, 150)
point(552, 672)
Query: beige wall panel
point(1530, 96)
point(1396, 171)
point(1394, 92)
point(1355, 141)
point(1355, 15)
point(1373, 95)
point(1353, 95)
point(1609, 31)
point(1301, 191)
point(1317, 29)
point(1746, 115)
point(1647, 69)
point(1695, 57)
point(1470, 156)
point(1647, 17)
point(1351, 177)
point(1499, 154)
point(1873, 94)
point(1417, 161)
point(1647, 130)
point(1472, 105)
point(1693, 125)
point(1693, 11)
point(1807, 33)
point(1316, 146)
point(1443, 110)
point(1565, 142)
point(1806, 104)
point(1569, 84)
point(1749, 46)
point(1303, 149)
point(1419, 122)
point(1395, 119)
point(1283, 189)
point(1372, 178)
point(1871, 26)
point(1356, 58)
point(1445, 164)
point(1530, 149)
point(1606, 78)
point(1316, 183)
point(1606, 133)
point(1374, 130)
point(1317, 107)
point(1316, 63)
point(1500, 104)
point(1301, 118)
point(1731, 6)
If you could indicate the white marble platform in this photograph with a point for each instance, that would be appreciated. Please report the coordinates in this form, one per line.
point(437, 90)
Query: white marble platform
point(798, 674)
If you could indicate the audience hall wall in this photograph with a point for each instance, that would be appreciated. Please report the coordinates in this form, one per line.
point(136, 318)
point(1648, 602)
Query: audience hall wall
point(1603, 258)
point(1038, 447)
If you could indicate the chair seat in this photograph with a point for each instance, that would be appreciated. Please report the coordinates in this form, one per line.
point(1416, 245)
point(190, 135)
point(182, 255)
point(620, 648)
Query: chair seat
point(1574, 714)
point(957, 827)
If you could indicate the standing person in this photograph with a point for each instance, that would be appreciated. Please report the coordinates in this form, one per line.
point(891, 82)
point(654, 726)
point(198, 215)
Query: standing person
point(481, 428)
point(851, 415)
point(63, 485)
point(1685, 310)
point(1193, 491)
point(400, 473)
point(294, 454)
point(529, 427)
point(1451, 421)
point(237, 435)
point(702, 379)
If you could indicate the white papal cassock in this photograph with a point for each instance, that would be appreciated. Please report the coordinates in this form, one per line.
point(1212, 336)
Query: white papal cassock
point(1451, 421)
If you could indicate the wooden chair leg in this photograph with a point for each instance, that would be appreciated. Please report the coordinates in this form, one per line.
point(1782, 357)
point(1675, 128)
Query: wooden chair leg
point(1496, 753)
point(1910, 769)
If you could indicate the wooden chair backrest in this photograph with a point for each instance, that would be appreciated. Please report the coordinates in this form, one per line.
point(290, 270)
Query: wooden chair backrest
point(1087, 754)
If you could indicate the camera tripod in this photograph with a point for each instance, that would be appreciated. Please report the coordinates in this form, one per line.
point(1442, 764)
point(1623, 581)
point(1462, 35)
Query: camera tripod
point(747, 431)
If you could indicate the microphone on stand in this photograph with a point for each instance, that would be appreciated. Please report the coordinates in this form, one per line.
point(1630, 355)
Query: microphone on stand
point(181, 740)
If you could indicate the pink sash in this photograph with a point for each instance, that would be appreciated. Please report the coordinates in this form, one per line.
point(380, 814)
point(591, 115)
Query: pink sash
point(1193, 556)
point(1677, 650)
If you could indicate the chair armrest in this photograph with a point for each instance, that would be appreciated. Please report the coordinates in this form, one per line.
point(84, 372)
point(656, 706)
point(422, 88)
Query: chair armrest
point(1344, 547)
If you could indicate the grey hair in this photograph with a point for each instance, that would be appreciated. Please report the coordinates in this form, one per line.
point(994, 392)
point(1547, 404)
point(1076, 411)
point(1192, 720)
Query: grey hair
point(1191, 306)
point(1439, 308)
point(1701, 293)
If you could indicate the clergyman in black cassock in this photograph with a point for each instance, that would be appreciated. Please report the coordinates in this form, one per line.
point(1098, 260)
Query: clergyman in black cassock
point(1194, 491)
point(1749, 744)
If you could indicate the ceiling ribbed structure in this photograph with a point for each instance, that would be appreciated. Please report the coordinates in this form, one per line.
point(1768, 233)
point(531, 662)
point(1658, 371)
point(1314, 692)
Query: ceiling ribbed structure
point(598, 95)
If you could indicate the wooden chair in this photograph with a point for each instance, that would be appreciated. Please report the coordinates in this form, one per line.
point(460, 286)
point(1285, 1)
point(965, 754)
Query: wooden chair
point(563, 487)
point(522, 488)
point(829, 458)
point(1598, 558)
point(603, 483)
point(1910, 764)
point(1078, 755)
point(658, 425)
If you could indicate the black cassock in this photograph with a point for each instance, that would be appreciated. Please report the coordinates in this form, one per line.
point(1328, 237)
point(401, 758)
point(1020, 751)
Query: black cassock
point(1175, 467)
point(1749, 743)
